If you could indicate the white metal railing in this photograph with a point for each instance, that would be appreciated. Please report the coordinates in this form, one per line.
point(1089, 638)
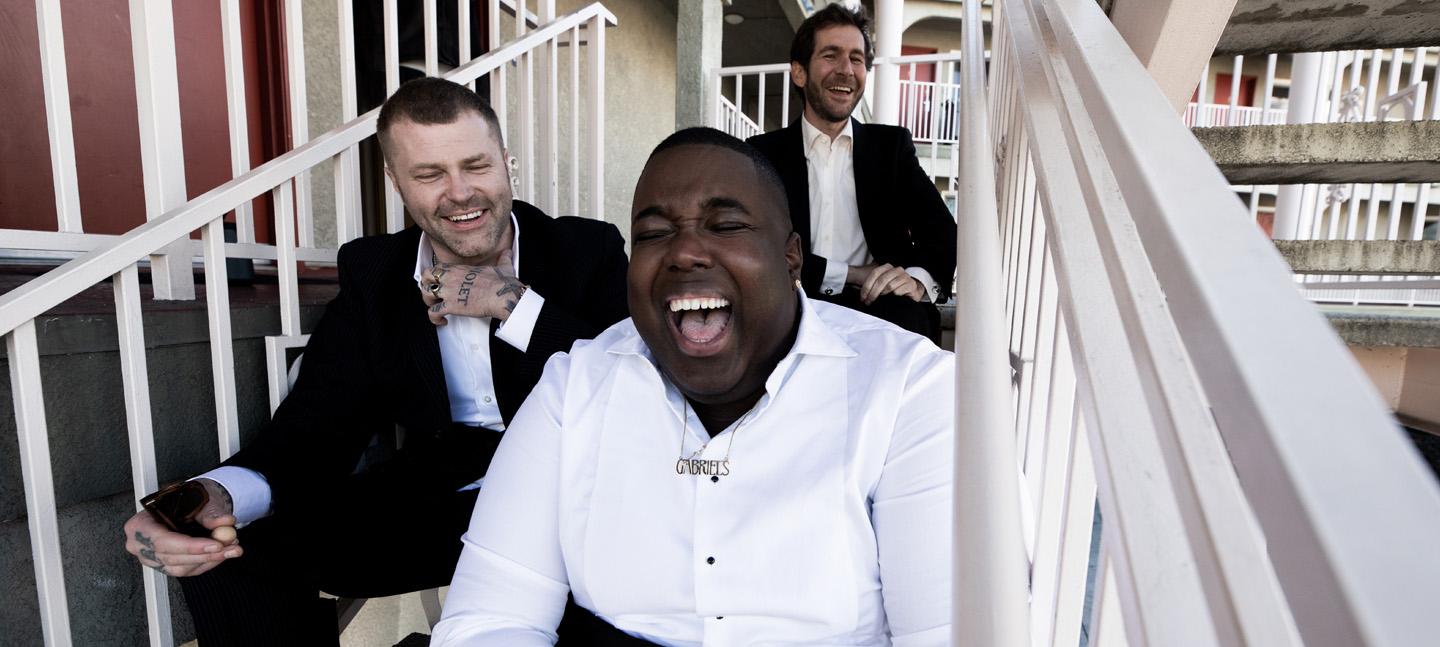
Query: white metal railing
point(173, 220)
point(735, 122)
point(930, 110)
point(1211, 114)
point(1334, 87)
point(1254, 489)
point(733, 83)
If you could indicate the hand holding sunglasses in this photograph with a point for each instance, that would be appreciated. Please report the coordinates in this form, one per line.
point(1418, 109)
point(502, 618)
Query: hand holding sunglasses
point(185, 529)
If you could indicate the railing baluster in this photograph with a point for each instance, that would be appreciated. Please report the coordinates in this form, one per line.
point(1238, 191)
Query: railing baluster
point(162, 151)
point(595, 126)
point(785, 99)
point(760, 114)
point(285, 263)
point(526, 106)
point(462, 13)
point(134, 376)
point(432, 46)
point(222, 354)
point(57, 116)
point(575, 120)
point(346, 166)
point(497, 77)
point(230, 34)
point(299, 111)
point(23, 353)
point(394, 208)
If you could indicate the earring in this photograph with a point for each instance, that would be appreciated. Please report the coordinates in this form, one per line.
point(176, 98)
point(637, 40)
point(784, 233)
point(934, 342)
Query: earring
point(514, 166)
point(797, 284)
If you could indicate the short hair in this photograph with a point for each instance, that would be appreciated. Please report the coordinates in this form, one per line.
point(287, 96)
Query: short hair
point(701, 136)
point(433, 100)
point(803, 46)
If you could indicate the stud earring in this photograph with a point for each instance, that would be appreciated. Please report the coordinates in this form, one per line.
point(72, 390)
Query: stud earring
point(514, 166)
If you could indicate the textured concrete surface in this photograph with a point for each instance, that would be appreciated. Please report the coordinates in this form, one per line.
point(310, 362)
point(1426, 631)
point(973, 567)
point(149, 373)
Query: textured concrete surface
point(1265, 26)
point(1393, 151)
point(103, 587)
point(1418, 257)
point(1385, 325)
point(698, 31)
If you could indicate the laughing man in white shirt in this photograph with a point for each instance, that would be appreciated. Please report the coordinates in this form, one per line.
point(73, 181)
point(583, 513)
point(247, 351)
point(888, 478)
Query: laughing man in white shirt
point(735, 465)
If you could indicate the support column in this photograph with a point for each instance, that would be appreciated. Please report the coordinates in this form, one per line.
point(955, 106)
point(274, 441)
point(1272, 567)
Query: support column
point(699, 25)
point(1305, 72)
point(889, 30)
point(1173, 39)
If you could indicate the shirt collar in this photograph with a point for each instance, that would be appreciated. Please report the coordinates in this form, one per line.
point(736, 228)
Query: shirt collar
point(813, 136)
point(426, 252)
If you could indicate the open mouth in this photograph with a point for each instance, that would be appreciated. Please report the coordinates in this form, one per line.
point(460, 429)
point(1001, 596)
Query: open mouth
point(843, 90)
point(462, 218)
point(700, 322)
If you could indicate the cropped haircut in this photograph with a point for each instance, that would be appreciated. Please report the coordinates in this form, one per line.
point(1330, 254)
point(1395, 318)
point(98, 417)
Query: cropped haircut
point(803, 46)
point(430, 101)
point(701, 136)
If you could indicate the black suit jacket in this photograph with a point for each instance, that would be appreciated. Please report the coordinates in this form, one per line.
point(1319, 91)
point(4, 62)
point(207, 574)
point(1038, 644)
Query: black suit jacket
point(905, 221)
point(373, 361)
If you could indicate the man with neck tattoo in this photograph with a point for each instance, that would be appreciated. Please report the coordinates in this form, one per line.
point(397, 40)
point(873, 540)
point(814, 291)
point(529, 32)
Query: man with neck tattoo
point(737, 464)
point(876, 234)
point(441, 330)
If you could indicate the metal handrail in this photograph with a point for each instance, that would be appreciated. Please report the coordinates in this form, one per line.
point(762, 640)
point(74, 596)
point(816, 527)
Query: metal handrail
point(989, 568)
point(54, 287)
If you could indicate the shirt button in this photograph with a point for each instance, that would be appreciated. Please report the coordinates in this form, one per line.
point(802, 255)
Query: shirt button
point(714, 479)
point(829, 291)
point(487, 399)
point(719, 617)
point(709, 560)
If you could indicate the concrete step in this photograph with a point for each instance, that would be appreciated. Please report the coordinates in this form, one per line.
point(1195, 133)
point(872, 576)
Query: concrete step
point(89, 448)
point(1388, 151)
point(1399, 257)
point(1270, 26)
point(1385, 326)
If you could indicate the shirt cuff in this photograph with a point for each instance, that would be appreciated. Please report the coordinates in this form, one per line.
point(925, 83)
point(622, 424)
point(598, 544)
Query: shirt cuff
point(835, 274)
point(932, 289)
point(249, 492)
point(517, 328)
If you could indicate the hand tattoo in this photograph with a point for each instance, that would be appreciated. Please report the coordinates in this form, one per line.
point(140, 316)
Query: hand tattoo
point(147, 551)
point(511, 287)
point(464, 296)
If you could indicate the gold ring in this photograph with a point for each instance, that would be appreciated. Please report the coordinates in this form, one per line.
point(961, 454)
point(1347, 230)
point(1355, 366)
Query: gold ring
point(435, 289)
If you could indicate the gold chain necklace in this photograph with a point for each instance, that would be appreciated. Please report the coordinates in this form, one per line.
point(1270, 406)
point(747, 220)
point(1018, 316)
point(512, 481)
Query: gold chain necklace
point(692, 466)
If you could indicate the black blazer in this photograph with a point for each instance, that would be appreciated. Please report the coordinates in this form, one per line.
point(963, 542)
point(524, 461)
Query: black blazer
point(905, 221)
point(373, 361)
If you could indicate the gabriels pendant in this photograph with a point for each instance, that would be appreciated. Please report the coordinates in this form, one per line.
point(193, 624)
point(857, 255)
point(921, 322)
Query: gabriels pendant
point(697, 467)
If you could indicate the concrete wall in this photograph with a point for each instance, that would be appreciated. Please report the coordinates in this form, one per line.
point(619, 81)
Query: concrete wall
point(1386, 368)
point(639, 101)
point(1420, 396)
point(322, 96)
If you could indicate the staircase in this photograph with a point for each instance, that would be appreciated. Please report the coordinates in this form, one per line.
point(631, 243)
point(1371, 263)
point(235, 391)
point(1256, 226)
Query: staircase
point(1354, 167)
point(190, 371)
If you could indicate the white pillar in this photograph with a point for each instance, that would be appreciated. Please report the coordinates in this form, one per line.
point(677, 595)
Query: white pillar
point(889, 28)
point(698, 29)
point(1305, 80)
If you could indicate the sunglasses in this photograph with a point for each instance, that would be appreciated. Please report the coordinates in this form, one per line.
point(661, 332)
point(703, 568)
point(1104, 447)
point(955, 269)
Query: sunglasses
point(178, 506)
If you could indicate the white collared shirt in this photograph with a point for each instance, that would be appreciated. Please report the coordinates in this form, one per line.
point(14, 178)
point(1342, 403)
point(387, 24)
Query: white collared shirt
point(465, 356)
point(835, 232)
point(832, 526)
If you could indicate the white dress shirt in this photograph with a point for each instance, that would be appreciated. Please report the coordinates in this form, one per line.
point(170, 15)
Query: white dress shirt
point(832, 526)
point(465, 356)
point(835, 232)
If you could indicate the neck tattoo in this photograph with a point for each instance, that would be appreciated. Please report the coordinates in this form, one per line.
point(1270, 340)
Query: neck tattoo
point(693, 466)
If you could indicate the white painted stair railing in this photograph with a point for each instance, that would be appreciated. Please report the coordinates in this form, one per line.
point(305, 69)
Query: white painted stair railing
point(117, 258)
point(1254, 489)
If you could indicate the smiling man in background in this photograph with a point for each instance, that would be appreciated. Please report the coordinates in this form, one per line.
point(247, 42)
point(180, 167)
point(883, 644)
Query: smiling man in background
point(441, 329)
point(877, 236)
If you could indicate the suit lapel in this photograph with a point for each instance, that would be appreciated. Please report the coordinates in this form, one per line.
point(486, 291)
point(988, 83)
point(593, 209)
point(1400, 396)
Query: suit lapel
point(509, 368)
point(862, 159)
point(795, 174)
point(416, 327)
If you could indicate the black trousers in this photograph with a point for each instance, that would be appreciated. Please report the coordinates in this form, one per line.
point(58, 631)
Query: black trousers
point(361, 547)
point(915, 316)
